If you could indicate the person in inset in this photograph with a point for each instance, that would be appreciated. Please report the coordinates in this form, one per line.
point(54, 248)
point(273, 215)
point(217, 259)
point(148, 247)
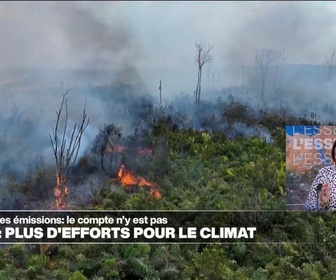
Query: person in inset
point(322, 194)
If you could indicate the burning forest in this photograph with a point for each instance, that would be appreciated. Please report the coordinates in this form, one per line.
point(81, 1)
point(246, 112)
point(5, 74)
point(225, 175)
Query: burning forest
point(126, 138)
point(157, 120)
point(127, 179)
point(66, 143)
point(152, 145)
point(183, 156)
point(65, 152)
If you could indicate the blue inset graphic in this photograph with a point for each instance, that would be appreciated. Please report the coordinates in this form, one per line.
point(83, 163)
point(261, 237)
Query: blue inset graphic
point(308, 130)
point(323, 157)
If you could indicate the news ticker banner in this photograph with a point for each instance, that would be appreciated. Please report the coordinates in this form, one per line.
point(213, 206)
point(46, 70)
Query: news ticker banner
point(126, 227)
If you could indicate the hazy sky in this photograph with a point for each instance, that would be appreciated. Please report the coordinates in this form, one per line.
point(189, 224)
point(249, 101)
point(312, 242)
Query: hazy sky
point(161, 34)
point(145, 42)
point(151, 35)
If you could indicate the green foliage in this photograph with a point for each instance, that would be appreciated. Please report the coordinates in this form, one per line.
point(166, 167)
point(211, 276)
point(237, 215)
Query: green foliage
point(199, 170)
point(260, 274)
point(108, 199)
point(2, 259)
point(18, 256)
point(86, 265)
point(77, 276)
point(110, 269)
point(67, 252)
point(135, 261)
point(60, 274)
point(212, 263)
point(12, 273)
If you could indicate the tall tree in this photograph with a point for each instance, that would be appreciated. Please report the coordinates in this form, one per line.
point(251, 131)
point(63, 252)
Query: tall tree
point(65, 152)
point(329, 59)
point(263, 59)
point(106, 141)
point(280, 59)
point(202, 57)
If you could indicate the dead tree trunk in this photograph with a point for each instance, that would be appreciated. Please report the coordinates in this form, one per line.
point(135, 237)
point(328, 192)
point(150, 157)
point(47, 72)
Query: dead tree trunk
point(278, 75)
point(65, 152)
point(263, 59)
point(329, 61)
point(160, 94)
point(202, 57)
point(199, 85)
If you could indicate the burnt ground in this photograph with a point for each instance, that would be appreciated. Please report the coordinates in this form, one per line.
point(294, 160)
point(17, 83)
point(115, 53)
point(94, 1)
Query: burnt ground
point(82, 194)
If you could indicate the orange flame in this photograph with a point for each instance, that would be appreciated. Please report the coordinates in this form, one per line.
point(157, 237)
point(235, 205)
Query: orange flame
point(128, 179)
point(145, 151)
point(61, 191)
point(121, 149)
point(156, 193)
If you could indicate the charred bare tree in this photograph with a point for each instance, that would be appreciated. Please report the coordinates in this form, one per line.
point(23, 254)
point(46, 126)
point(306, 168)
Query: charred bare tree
point(65, 152)
point(330, 61)
point(278, 75)
point(106, 141)
point(202, 56)
point(263, 60)
point(160, 93)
